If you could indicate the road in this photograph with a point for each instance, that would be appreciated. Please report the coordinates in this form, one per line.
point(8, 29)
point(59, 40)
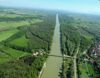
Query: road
point(53, 64)
point(75, 63)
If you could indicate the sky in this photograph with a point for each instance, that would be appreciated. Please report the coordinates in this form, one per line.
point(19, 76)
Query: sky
point(82, 6)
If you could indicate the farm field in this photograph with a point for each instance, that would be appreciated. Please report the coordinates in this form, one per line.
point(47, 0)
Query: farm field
point(15, 24)
point(8, 54)
point(22, 41)
point(6, 34)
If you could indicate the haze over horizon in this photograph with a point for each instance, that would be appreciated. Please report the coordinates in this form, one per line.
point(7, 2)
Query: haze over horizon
point(81, 6)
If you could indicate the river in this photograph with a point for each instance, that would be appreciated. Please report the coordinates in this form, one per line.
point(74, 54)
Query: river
point(53, 63)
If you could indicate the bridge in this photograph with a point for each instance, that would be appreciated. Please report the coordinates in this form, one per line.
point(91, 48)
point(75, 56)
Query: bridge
point(63, 56)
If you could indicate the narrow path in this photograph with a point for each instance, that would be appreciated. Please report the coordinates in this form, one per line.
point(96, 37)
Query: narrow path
point(75, 63)
point(75, 69)
point(53, 64)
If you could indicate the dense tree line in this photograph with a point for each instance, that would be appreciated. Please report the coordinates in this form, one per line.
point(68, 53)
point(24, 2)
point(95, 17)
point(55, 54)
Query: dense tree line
point(7, 19)
point(70, 35)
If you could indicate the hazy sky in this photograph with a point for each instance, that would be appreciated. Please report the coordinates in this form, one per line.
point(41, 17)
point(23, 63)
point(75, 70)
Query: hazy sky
point(86, 6)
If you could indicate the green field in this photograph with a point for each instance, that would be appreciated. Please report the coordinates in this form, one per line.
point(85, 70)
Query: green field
point(8, 54)
point(22, 41)
point(83, 70)
point(87, 70)
point(15, 24)
point(6, 34)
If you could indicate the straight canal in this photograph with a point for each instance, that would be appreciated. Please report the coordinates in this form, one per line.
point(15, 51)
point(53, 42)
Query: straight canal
point(53, 63)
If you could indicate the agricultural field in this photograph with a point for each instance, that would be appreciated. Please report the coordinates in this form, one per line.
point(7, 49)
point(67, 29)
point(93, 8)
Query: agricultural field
point(22, 41)
point(6, 34)
point(87, 69)
point(8, 54)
